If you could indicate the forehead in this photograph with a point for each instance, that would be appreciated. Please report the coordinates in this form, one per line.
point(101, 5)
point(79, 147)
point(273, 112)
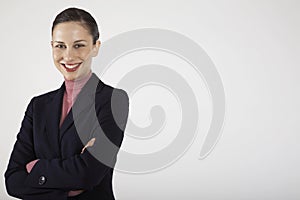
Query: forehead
point(70, 31)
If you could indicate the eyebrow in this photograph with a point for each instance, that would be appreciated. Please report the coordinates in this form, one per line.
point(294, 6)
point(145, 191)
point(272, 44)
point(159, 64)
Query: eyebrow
point(58, 42)
point(74, 41)
point(80, 41)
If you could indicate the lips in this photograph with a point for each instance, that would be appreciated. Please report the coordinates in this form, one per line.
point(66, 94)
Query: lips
point(71, 67)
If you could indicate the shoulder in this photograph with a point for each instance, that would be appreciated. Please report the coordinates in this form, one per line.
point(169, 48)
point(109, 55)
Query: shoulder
point(106, 93)
point(112, 94)
point(39, 101)
point(112, 104)
point(45, 97)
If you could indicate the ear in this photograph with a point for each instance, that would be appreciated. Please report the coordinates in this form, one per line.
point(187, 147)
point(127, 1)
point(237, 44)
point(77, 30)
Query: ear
point(96, 48)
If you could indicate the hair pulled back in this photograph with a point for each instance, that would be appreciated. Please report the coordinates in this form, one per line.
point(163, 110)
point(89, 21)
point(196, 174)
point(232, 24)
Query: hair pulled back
point(78, 15)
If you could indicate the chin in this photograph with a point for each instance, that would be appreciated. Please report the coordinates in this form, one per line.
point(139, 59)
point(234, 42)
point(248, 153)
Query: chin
point(70, 77)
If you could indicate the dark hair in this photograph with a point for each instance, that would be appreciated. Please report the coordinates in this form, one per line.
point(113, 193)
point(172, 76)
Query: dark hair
point(78, 15)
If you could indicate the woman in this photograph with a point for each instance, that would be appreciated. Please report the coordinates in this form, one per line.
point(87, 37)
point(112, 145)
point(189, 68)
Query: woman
point(69, 138)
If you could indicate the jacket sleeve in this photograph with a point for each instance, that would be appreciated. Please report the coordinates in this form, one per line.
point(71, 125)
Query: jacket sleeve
point(23, 152)
point(86, 170)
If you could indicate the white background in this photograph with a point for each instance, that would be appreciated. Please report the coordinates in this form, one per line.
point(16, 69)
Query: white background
point(255, 47)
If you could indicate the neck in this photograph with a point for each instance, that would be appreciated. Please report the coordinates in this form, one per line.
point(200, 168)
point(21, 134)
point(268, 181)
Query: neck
point(77, 84)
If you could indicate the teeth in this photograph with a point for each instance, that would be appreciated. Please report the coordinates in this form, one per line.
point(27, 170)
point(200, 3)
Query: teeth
point(72, 66)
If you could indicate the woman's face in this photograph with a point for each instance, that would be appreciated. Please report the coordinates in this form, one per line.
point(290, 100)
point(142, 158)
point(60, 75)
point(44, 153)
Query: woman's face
point(73, 49)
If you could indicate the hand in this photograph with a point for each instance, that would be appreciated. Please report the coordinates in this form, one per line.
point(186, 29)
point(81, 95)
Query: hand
point(74, 193)
point(77, 192)
point(89, 144)
point(30, 165)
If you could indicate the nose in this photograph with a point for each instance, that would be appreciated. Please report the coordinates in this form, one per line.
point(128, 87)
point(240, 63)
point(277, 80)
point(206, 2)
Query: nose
point(69, 54)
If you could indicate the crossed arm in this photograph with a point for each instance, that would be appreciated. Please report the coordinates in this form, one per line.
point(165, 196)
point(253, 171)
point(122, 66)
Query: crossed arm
point(31, 164)
point(76, 170)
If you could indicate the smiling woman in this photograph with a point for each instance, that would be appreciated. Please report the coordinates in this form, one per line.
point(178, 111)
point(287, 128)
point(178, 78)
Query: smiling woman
point(55, 154)
point(73, 49)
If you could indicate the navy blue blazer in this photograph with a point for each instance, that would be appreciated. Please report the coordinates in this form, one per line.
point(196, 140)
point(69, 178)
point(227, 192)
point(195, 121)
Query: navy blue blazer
point(100, 111)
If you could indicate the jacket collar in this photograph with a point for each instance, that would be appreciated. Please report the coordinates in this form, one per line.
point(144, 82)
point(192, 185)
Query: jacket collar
point(84, 101)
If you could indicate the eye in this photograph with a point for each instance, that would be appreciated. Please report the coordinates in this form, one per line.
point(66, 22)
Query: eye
point(60, 46)
point(77, 46)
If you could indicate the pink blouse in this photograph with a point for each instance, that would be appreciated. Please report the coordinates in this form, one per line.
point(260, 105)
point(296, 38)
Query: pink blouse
point(72, 90)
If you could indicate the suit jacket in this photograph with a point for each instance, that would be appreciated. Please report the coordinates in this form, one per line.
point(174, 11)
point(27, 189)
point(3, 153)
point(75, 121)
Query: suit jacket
point(100, 111)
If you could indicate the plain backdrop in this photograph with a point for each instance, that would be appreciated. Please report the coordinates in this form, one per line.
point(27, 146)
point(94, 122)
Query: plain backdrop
point(255, 46)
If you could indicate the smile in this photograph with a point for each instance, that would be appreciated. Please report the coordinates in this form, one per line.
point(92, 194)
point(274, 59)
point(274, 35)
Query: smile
point(71, 67)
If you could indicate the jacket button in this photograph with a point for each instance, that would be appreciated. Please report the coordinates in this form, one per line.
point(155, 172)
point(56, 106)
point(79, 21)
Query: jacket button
point(42, 180)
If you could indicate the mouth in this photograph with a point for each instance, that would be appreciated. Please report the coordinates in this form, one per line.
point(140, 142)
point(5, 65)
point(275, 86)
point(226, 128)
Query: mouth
point(71, 67)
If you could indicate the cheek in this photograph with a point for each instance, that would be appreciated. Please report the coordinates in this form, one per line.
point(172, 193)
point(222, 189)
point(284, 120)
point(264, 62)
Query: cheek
point(85, 54)
point(56, 55)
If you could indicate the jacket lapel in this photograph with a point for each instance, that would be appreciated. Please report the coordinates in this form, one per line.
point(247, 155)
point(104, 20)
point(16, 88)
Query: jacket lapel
point(84, 102)
point(52, 120)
